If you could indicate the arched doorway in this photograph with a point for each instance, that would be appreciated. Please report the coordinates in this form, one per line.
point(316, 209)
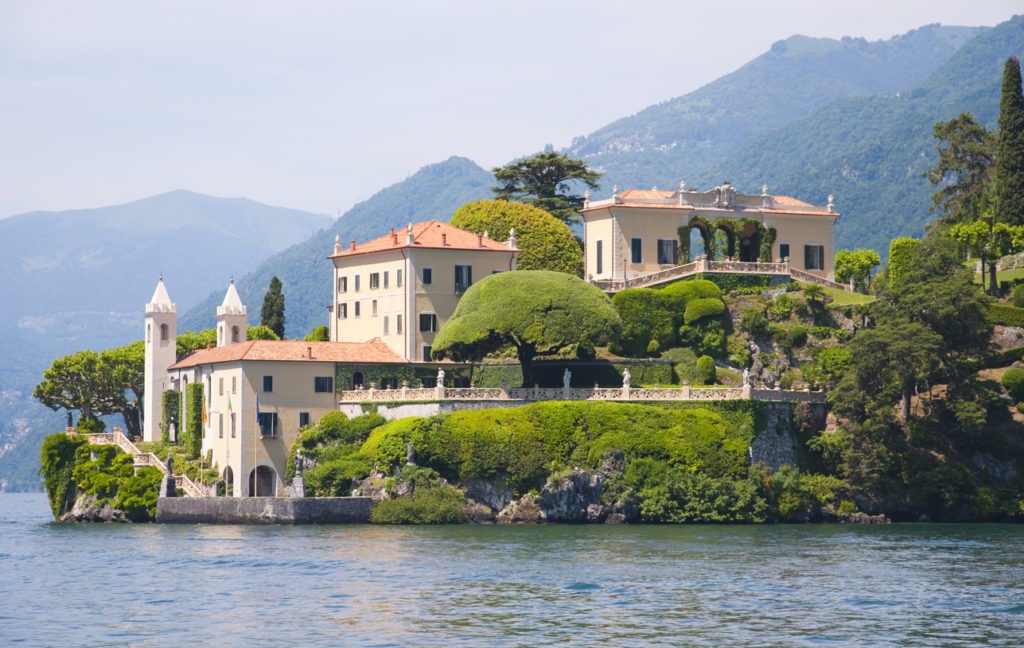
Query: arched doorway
point(229, 481)
point(358, 380)
point(266, 482)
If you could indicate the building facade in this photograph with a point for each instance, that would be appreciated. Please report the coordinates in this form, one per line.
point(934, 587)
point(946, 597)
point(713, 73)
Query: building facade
point(403, 287)
point(642, 231)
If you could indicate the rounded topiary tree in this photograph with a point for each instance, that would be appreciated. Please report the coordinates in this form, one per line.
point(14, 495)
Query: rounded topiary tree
point(537, 312)
point(706, 369)
point(546, 243)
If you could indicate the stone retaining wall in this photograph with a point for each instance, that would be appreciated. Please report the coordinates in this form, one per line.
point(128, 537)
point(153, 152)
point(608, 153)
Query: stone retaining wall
point(263, 510)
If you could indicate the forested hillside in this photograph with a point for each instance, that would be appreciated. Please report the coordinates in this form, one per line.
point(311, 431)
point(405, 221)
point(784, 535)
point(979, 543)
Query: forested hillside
point(433, 192)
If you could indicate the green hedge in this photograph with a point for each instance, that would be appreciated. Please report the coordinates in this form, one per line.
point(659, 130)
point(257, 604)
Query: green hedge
point(646, 315)
point(170, 403)
point(191, 436)
point(1013, 382)
point(730, 282)
point(701, 308)
point(1006, 315)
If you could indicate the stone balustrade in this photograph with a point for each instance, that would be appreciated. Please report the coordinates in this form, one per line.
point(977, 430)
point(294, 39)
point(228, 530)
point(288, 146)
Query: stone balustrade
point(533, 394)
point(704, 266)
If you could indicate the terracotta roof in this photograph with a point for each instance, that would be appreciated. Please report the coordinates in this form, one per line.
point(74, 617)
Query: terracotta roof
point(429, 234)
point(292, 351)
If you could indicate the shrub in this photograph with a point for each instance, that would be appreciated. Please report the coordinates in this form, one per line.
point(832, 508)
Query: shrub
point(137, 494)
point(1006, 315)
point(755, 323)
point(781, 308)
point(430, 505)
point(57, 459)
point(1013, 382)
point(706, 369)
point(645, 318)
point(697, 309)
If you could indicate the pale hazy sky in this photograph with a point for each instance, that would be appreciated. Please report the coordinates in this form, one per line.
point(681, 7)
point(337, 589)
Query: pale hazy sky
point(317, 105)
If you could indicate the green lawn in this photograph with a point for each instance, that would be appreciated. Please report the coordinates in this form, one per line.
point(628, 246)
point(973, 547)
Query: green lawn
point(845, 298)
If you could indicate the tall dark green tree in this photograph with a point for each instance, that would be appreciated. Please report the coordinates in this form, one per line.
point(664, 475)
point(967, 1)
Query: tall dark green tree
point(962, 173)
point(272, 314)
point(548, 180)
point(1009, 163)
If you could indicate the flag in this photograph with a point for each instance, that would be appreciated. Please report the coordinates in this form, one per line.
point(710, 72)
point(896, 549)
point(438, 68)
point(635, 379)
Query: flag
point(231, 411)
point(205, 416)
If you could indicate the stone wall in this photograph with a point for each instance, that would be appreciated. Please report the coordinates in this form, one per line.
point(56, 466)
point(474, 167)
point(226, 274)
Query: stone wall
point(778, 443)
point(263, 510)
point(430, 408)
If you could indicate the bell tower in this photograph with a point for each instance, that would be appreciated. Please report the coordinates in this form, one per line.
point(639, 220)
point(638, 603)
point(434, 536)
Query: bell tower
point(232, 318)
point(161, 344)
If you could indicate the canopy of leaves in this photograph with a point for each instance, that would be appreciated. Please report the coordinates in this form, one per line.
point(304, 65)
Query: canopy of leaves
point(856, 265)
point(272, 313)
point(537, 312)
point(545, 242)
point(548, 180)
point(962, 171)
point(1009, 164)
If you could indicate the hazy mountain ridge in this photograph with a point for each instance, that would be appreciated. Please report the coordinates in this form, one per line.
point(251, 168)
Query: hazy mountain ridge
point(433, 192)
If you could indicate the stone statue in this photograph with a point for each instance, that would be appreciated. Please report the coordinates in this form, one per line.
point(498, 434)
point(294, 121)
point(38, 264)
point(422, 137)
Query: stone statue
point(300, 463)
point(566, 378)
point(410, 454)
point(440, 377)
point(170, 464)
point(625, 377)
point(746, 376)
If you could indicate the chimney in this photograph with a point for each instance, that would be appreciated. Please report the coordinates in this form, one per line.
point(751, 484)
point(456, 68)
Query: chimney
point(444, 239)
point(352, 244)
point(337, 243)
point(394, 236)
point(409, 239)
point(479, 240)
point(309, 351)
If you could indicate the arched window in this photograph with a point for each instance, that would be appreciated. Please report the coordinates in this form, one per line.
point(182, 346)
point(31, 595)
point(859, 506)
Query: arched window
point(266, 481)
point(163, 332)
point(234, 334)
point(149, 332)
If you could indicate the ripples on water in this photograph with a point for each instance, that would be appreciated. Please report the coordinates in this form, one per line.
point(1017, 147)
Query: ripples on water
point(150, 585)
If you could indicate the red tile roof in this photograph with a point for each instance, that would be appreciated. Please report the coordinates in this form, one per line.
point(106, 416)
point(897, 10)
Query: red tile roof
point(292, 351)
point(429, 234)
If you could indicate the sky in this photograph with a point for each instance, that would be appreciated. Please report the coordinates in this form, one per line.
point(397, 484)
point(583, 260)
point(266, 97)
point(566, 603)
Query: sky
point(319, 104)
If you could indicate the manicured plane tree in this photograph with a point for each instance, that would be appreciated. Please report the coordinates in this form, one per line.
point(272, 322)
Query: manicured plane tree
point(538, 312)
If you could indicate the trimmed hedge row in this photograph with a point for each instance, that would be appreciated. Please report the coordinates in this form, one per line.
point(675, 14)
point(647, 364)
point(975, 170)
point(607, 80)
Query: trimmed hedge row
point(1006, 315)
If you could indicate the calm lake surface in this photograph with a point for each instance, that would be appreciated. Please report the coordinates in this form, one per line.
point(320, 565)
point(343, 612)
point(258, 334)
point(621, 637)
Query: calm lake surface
point(157, 585)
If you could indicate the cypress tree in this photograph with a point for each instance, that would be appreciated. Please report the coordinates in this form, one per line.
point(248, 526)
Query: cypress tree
point(1009, 164)
point(272, 315)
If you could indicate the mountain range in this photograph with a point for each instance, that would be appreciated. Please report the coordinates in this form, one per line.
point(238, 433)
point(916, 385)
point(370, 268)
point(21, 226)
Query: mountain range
point(810, 117)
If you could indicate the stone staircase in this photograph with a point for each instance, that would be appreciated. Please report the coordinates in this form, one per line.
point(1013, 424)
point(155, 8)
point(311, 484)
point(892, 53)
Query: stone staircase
point(703, 266)
point(142, 459)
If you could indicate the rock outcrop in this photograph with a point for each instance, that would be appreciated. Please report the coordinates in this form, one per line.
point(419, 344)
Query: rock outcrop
point(86, 509)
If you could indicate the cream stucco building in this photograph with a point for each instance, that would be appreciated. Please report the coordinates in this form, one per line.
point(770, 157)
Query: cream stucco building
point(642, 231)
point(403, 286)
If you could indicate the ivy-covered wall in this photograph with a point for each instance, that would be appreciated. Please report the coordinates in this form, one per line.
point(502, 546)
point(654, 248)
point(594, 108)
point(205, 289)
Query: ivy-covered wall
point(171, 414)
point(191, 436)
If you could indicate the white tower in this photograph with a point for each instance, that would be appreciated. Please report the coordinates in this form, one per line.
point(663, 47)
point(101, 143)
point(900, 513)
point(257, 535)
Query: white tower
point(232, 318)
point(161, 344)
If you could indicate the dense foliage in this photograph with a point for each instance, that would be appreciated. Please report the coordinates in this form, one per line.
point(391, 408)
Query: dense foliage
point(549, 180)
point(536, 312)
point(1009, 161)
point(545, 243)
point(272, 313)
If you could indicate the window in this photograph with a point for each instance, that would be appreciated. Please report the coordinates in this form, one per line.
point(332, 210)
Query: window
point(385, 278)
point(342, 284)
point(234, 335)
point(355, 282)
point(814, 257)
point(356, 314)
point(373, 308)
point(303, 420)
point(268, 383)
point(232, 426)
point(220, 426)
point(220, 386)
point(398, 278)
point(268, 424)
point(398, 324)
point(385, 325)
point(428, 276)
point(374, 280)
point(635, 248)
point(600, 257)
point(668, 251)
point(323, 384)
point(164, 333)
point(342, 310)
point(428, 322)
point(426, 353)
point(783, 251)
point(234, 385)
point(463, 277)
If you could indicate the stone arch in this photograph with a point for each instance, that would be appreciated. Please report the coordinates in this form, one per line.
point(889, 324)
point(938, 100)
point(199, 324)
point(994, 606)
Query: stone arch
point(358, 380)
point(229, 481)
point(234, 335)
point(265, 482)
point(164, 333)
point(749, 232)
point(728, 227)
point(707, 234)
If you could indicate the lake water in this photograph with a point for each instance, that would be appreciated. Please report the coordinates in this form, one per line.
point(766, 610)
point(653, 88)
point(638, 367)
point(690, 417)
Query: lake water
point(162, 585)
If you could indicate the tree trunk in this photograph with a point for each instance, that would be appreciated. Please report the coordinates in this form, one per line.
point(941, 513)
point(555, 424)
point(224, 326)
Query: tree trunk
point(526, 352)
point(905, 403)
point(993, 287)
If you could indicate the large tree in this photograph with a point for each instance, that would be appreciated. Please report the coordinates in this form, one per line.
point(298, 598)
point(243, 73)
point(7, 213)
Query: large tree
point(548, 180)
point(537, 312)
point(962, 172)
point(272, 314)
point(546, 242)
point(97, 384)
point(1009, 163)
